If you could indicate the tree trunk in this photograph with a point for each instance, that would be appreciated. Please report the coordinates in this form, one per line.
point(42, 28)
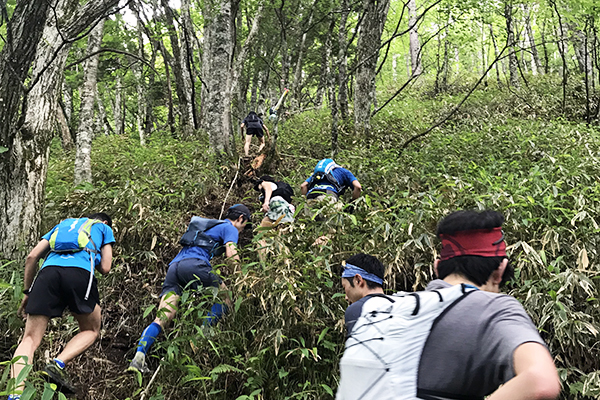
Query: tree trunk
point(297, 82)
point(85, 134)
point(25, 136)
point(496, 54)
point(324, 76)
point(63, 128)
point(183, 83)
point(104, 124)
point(217, 75)
point(343, 61)
point(140, 86)
point(118, 105)
point(529, 31)
point(367, 52)
point(513, 66)
point(414, 44)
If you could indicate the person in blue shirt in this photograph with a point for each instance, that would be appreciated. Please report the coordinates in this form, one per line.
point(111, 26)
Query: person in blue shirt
point(64, 280)
point(329, 181)
point(190, 269)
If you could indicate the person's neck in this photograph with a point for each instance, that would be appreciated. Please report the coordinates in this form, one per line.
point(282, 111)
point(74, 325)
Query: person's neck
point(377, 290)
point(455, 279)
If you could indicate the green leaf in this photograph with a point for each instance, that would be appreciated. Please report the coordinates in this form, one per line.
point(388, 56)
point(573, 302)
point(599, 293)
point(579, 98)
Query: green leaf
point(148, 310)
point(49, 389)
point(327, 389)
point(3, 149)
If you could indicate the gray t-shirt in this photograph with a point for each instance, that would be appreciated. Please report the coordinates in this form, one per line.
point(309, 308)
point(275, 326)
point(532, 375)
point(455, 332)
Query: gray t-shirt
point(469, 352)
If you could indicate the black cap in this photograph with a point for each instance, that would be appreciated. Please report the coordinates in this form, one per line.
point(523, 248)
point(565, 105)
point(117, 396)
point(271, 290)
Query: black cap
point(241, 210)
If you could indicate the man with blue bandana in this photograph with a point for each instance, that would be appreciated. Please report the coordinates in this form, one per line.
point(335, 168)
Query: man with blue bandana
point(362, 278)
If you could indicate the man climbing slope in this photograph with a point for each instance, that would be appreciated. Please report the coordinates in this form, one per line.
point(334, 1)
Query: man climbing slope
point(328, 182)
point(73, 250)
point(204, 239)
point(254, 127)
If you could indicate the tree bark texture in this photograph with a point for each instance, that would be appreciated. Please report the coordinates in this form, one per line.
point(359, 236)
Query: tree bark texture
point(513, 66)
point(324, 78)
point(217, 75)
point(140, 87)
point(343, 61)
point(85, 133)
point(297, 82)
point(414, 44)
point(37, 33)
point(183, 84)
point(369, 41)
point(118, 104)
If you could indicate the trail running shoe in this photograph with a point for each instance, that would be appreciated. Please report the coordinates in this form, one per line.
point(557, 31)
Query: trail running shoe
point(138, 364)
point(60, 378)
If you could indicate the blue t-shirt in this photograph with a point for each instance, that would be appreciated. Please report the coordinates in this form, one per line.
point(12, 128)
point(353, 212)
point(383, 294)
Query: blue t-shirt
point(222, 233)
point(101, 234)
point(342, 175)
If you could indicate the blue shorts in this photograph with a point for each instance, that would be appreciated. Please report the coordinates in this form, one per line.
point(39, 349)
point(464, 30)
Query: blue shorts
point(189, 273)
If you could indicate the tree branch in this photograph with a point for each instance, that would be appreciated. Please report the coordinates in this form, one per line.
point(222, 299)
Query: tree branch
point(112, 51)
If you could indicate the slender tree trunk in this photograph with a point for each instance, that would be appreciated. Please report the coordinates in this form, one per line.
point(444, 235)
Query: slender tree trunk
point(105, 125)
point(118, 104)
point(188, 57)
point(343, 61)
point(171, 113)
point(563, 54)
point(217, 75)
point(529, 31)
point(367, 52)
point(324, 74)
point(183, 84)
point(414, 44)
point(297, 82)
point(63, 128)
point(333, 104)
point(513, 66)
point(140, 86)
point(496, 53)
point(254, 90)
point(85, 134)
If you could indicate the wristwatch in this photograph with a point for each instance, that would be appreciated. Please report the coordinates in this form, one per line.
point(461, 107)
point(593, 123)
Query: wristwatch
point(26, 291)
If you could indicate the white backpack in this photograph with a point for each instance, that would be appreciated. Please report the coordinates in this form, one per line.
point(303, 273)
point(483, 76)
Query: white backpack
point(383, 350)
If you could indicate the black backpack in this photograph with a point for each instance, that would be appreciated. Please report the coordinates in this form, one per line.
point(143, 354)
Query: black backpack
point(195, 236)
point(284, 190)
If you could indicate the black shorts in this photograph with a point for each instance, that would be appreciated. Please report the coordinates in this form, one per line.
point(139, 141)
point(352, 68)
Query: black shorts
point(189, 273)
point(56, 288)
point(258, 132)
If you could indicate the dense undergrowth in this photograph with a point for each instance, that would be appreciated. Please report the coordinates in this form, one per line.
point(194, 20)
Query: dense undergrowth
point(512, 152)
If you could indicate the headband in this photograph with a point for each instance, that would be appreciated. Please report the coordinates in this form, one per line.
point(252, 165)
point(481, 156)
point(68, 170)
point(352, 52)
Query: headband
point(349, 271)
point(476, 242)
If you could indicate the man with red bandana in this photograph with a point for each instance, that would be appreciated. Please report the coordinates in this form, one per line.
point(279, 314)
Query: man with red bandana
point(483, 344)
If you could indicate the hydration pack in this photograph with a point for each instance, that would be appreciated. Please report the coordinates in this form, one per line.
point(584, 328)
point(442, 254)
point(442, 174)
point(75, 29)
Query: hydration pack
point(195, 236)
point(322, 175)
point(73, 235)
point(384, 349)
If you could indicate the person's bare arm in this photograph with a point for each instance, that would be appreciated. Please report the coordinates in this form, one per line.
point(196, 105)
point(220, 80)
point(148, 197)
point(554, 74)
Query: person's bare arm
point(536, 376)
point(304, 188)
point(106, 261)
point(31, 264)
point(231, 251)
point(357, 189)
point(266, 186)
point(266, 130)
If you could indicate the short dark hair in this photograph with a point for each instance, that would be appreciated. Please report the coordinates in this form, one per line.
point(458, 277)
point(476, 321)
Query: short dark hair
point(102, 217)
point(236, 210)
point(370, 264)
point(476, 269)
